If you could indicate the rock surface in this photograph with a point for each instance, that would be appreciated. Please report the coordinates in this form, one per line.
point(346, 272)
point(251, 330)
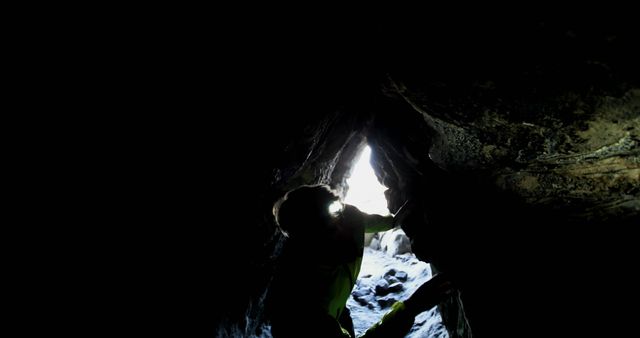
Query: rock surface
point(367, 306)
point(394, 242)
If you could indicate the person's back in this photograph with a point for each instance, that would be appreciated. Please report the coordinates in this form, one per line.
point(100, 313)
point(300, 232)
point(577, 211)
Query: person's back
point(317, 269)
point(302, 294)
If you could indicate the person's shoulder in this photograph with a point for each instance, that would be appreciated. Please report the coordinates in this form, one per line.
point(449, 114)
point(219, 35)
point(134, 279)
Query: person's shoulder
point(351, 210)
point(353, 216)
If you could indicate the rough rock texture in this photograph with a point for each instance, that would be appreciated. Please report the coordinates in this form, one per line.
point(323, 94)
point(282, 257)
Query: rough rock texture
point(563, 153)
point(367, 307)
point(515, 141)
point(527, 155)
point(395, 242)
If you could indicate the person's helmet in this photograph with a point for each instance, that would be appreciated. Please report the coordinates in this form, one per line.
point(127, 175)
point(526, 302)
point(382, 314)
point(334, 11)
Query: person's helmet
point(304, 209)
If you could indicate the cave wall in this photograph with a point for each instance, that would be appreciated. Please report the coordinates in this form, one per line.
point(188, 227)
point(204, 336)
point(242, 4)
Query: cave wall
point(515, 261)
point(525, 167)
point(515, 141)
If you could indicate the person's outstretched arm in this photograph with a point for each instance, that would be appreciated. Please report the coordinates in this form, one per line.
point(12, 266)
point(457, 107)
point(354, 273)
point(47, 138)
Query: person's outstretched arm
point(377, 223)
point(371, 223)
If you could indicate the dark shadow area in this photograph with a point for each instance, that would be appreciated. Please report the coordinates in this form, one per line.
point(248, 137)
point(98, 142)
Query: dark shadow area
point(225, 119)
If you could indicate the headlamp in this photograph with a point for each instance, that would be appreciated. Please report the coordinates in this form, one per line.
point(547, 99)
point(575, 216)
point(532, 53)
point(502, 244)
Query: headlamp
point(335, 208)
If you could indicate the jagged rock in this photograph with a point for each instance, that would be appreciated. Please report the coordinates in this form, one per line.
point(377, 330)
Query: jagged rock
point(375, 242)
point(391, 272)
point(382, 287)
point(386, 301)
point(362, 301)
point(362, 295)
point(395, 287)
point(402, 276)
point(361, 292)
point(395, 242)
point(391, 279)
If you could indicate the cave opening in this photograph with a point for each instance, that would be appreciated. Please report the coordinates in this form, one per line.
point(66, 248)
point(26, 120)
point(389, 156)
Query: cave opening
point(364, 191)
point(390, 271)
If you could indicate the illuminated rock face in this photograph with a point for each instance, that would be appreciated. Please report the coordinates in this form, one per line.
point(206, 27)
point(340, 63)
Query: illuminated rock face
point(495, 195)
point(574, 151)
point(395, 242)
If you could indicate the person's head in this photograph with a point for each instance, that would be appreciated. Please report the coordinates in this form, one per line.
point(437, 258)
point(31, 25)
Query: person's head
point(304, 209)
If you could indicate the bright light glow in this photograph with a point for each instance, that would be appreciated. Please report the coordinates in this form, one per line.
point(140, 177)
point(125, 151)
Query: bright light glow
point(335, 207)
point(365, 192)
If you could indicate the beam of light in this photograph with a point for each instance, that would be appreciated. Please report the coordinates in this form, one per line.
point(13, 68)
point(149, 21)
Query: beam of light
point(365, 192)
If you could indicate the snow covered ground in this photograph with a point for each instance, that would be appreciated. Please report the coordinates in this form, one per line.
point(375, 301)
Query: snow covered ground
point(396, 278)
point(370, 301)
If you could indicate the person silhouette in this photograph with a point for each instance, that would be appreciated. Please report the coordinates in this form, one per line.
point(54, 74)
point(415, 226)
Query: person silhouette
point(319, 266)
